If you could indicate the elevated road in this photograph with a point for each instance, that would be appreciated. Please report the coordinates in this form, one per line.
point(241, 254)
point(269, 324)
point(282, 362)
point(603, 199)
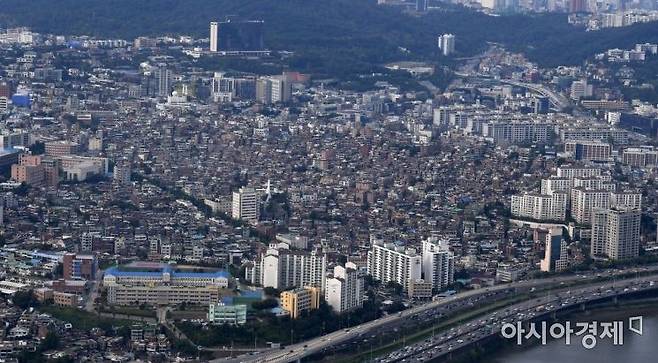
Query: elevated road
point(473, 331)
point(557, 100)
point(300, 350)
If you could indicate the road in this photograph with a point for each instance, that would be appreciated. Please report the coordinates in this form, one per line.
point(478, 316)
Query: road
point(477, 329)
point(93, 293)
point(303, 349)
point(556, 99)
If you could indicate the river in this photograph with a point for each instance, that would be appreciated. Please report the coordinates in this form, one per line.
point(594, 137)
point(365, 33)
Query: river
point(636, 348)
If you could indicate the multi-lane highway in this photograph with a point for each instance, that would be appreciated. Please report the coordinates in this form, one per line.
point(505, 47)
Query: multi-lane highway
point(300, 350)
point(558, 100)
point(473, 331)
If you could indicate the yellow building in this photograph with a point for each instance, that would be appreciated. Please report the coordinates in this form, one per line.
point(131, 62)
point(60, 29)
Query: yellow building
point(299, 300)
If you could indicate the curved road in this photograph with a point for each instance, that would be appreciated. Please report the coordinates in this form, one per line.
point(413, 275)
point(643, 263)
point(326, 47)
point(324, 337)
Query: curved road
point(300, 350)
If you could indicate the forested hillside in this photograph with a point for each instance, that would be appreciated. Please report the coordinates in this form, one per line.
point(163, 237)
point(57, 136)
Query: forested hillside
point(340, 36)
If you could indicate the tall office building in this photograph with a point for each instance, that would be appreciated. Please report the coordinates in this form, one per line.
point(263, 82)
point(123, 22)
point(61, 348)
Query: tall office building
point(616, 233)
point(163, 80)
point(555, 255)
point(345, 288)
point(446, 43)
point(438, 263)
point(388, 262)
point(264, 90)
point(282, 268)
point(246, 205)
point(214, 27)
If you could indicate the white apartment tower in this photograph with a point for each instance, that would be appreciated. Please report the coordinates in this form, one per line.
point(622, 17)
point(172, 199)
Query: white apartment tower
point(282, 268)
point(584, 201)
point(541, 207)
point(214, 30)
point(345, 289)
point(446, 43)
point(438, 263)
point(616, 233)
point(388, 262)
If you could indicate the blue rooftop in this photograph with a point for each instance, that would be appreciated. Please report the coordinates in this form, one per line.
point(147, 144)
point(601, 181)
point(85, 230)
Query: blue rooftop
point(115, 271)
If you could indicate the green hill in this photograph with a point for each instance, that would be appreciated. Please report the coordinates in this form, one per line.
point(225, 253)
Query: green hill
point(337, 36)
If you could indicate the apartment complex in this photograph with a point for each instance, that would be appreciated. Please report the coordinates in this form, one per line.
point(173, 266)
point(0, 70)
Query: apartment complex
point(542, 207)
point(388, 262)
point(281, 268)
point(616, 233)
point(345, 288)
point(438, 263)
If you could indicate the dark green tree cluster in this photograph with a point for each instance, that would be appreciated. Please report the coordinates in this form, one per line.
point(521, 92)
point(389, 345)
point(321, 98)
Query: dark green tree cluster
point(332, 37)
point(280, 329)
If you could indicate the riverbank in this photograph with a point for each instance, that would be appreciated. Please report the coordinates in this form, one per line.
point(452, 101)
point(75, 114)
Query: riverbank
point(634, 349)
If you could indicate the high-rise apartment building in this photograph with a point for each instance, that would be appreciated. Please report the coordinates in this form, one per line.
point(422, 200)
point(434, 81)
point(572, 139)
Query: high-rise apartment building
point(421, 6)
point(388, 262)
point(273, 89)
point(541, 207)
point(438, 263)
point(345, 288)
point(578, 6)
point(580, 89)
point(237, 36)
point(122, 174)
point(214, 27)
point(640, 156)
point(29, 170)
point(585, 200)
point(282, 268)
point(163, 80)
point(589, 150)
point(616, 233)
point(446, 43)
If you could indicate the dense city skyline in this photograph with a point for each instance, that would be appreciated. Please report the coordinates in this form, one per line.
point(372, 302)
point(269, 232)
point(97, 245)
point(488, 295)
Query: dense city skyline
point(266, 183)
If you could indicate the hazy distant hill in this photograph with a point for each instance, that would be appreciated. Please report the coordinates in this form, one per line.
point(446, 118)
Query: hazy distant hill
point(343, 36)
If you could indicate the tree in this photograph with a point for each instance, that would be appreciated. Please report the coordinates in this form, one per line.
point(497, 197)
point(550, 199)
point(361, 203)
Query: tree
point(24, 299)
point(51, 341)
point(265, 304)
point(270, 291)
point(397, 288)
